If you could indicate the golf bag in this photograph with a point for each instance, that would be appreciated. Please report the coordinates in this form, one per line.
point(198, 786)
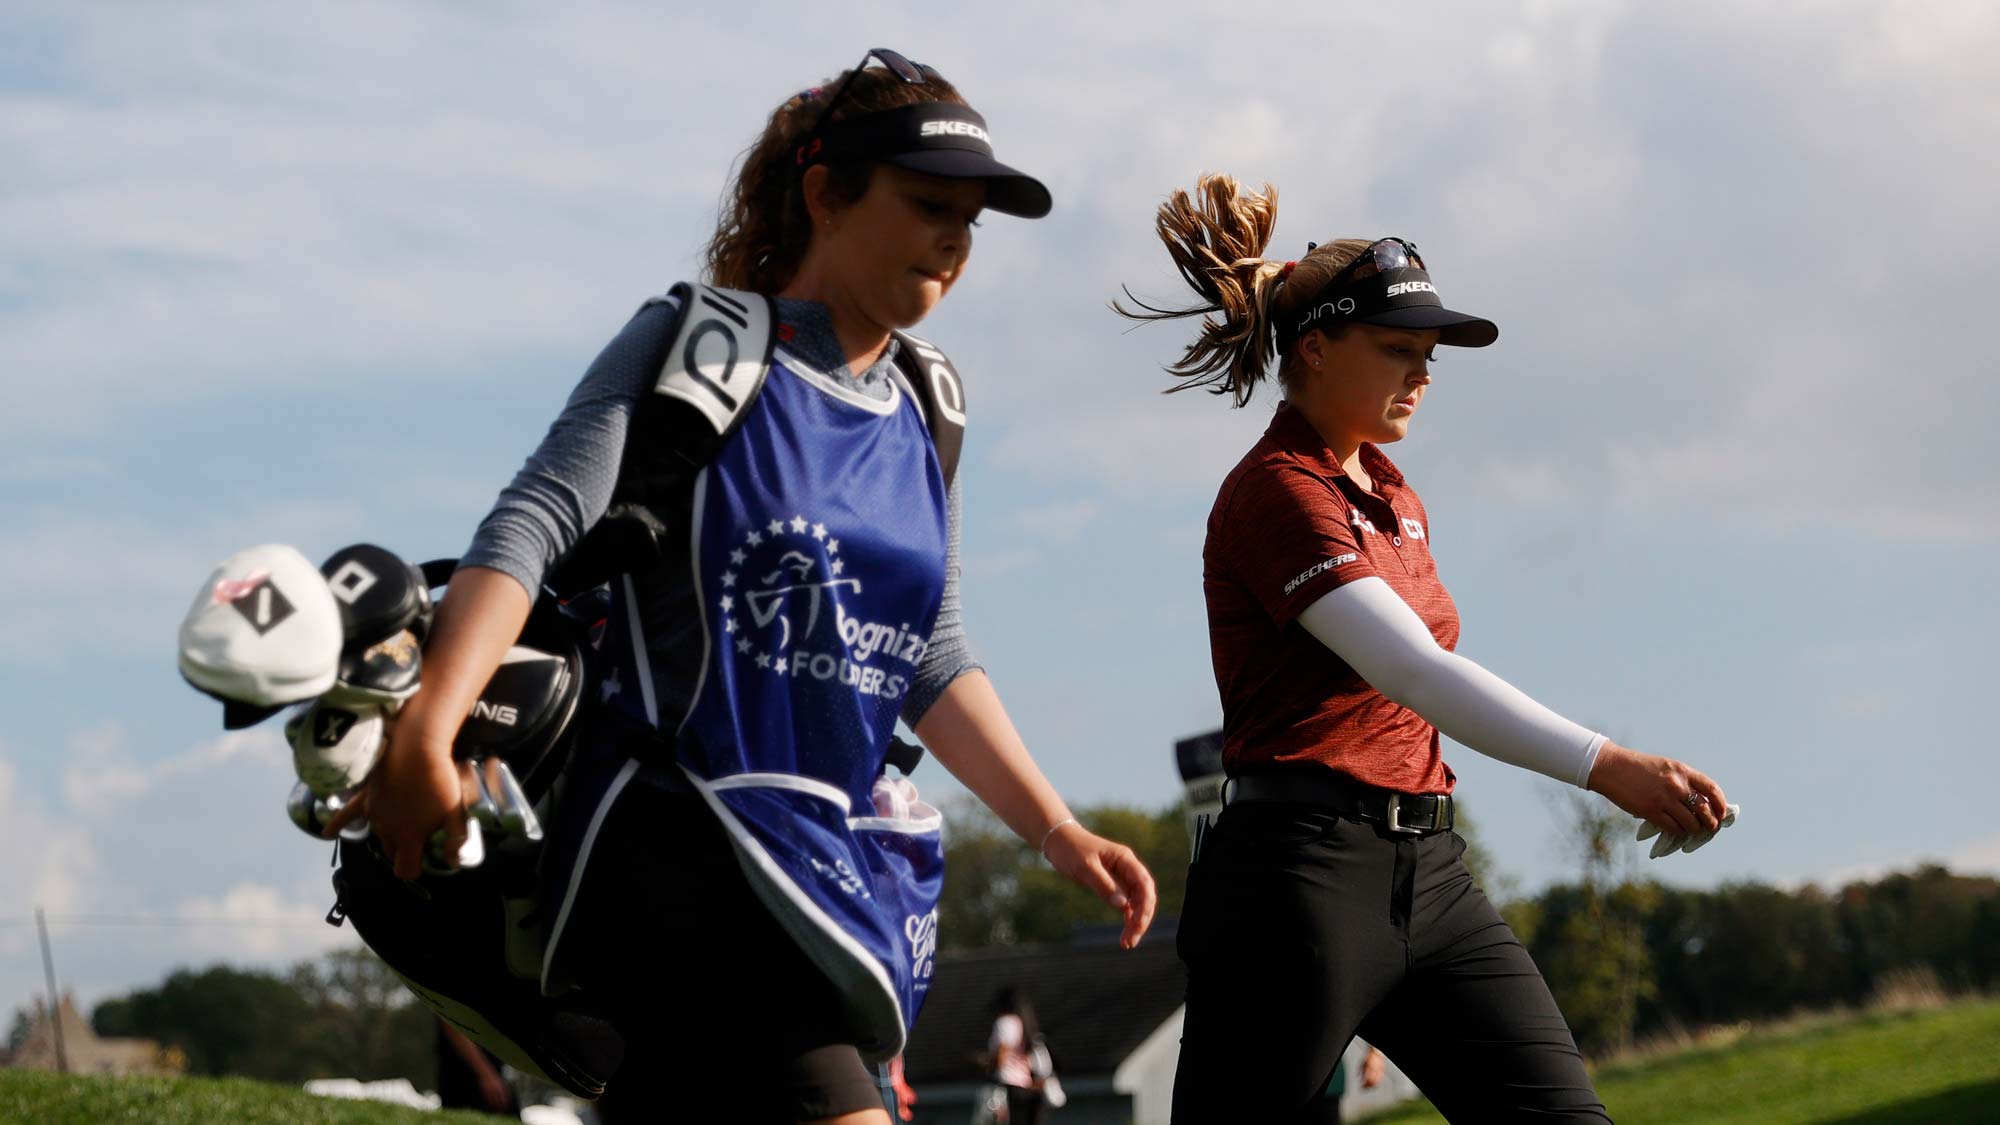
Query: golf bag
point(469, 943)
point(341, 641)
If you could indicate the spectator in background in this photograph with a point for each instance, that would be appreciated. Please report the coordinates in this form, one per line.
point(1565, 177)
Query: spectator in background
point(1011, 1049)
point(469, 1077)
point(1373, 1068)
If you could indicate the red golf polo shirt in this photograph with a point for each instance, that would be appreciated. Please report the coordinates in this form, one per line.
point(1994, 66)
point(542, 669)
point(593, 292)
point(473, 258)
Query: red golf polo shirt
point(1288, 526)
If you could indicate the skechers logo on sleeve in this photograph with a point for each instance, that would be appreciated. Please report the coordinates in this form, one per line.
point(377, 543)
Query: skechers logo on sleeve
point(1320, 567)
point(956, 129)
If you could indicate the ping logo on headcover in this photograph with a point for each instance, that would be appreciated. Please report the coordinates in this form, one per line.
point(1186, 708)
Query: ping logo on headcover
point(503, 714)
point(262, 604)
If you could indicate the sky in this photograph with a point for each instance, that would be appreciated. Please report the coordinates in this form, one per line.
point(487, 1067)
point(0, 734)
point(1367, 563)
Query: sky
point(319, 274)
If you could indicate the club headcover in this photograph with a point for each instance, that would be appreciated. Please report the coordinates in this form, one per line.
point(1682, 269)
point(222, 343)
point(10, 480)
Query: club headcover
point(264, 631)
point(523, 713)
point(379, 594)
point(385, 672)
point(335, 745)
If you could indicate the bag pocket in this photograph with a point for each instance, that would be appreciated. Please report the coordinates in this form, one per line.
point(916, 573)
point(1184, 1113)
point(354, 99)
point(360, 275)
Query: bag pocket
point(903, 853)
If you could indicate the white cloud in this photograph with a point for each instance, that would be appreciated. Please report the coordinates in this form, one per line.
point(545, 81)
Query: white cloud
point(45, 859)
point(143, 867)
point(1725, 244)
point(991, 564)
point(45, 469)
point(259, 922)
point(102, 779)
point(94, 585)
point(1060, 522)
point(1742, 295)
point(1978, 856)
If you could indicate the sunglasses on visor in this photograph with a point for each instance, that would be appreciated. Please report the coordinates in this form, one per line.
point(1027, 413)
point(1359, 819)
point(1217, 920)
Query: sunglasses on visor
point(1381, 256)
point(914, 73)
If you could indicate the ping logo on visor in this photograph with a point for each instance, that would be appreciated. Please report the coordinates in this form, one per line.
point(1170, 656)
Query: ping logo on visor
point(1388, 285)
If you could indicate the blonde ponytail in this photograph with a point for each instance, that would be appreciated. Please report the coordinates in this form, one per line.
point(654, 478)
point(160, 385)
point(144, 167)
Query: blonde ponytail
point(1217, 239)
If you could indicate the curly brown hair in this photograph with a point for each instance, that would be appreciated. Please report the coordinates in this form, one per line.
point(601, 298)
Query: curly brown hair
point(764, 228)
point(1217, 239)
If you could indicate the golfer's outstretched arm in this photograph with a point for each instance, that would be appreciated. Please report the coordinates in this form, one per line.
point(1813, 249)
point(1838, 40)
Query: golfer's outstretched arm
point(968, 730)
point(1368, 625)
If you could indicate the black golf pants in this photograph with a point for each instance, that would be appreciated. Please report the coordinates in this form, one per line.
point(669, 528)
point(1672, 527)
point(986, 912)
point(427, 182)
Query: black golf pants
point(1303, 928)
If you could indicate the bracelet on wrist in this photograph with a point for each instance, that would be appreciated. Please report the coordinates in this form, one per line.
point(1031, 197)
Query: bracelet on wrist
point(1051, 833)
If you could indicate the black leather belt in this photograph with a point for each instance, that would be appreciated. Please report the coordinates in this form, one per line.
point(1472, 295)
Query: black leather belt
point(1412, 814)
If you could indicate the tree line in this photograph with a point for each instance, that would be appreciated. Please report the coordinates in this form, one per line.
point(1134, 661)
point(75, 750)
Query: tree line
point(1626, 956)
point(344, 1015)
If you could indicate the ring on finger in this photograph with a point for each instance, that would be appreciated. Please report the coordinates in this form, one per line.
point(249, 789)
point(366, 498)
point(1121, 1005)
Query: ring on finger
point(1693, 800)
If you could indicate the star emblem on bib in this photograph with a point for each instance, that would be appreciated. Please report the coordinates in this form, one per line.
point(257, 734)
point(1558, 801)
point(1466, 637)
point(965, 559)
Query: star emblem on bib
point(782, 586)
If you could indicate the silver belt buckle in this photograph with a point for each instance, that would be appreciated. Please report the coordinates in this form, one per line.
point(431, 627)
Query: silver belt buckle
point(1396, 816)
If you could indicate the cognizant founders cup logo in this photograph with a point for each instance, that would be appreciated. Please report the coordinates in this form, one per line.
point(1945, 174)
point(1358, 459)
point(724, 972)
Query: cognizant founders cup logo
point(784, 600)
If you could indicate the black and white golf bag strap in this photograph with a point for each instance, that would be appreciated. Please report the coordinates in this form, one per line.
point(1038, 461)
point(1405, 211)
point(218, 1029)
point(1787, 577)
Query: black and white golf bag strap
point(712, 367)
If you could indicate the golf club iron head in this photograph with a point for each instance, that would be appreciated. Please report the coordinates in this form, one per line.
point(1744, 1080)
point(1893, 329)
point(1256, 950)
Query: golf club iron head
point(471, 853)
point(502, 804)
point(312, 813)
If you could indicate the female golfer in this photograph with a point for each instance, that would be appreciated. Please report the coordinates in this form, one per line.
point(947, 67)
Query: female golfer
point(720, 879)
point(1330, 898)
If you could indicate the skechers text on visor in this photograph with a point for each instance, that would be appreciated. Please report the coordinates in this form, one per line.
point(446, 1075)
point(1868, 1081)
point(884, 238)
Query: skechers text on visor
point(939, 139)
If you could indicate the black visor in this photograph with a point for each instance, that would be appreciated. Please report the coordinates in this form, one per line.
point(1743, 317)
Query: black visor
point(1388, 285)
point(938, 139)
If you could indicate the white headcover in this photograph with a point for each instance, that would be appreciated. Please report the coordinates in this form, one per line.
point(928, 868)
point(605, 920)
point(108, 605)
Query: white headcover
point(264, 630)
point(334, 745)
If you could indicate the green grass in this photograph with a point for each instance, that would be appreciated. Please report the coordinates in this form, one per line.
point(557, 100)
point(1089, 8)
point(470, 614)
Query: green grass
point(1935, 1065)
point(35, 1098)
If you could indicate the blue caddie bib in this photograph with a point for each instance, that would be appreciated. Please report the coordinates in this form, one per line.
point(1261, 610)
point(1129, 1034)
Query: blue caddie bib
point(817, 544)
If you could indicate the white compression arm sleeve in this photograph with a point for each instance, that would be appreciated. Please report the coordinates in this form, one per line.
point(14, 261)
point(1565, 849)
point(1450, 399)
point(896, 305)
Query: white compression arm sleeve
point(1371, 627)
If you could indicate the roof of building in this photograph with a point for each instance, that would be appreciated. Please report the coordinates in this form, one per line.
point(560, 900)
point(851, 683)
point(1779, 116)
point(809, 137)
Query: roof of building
point(1096, 1003)
point(83, 1052)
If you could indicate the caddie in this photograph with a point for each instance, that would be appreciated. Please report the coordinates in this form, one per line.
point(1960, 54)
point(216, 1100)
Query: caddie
point(731, 870)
